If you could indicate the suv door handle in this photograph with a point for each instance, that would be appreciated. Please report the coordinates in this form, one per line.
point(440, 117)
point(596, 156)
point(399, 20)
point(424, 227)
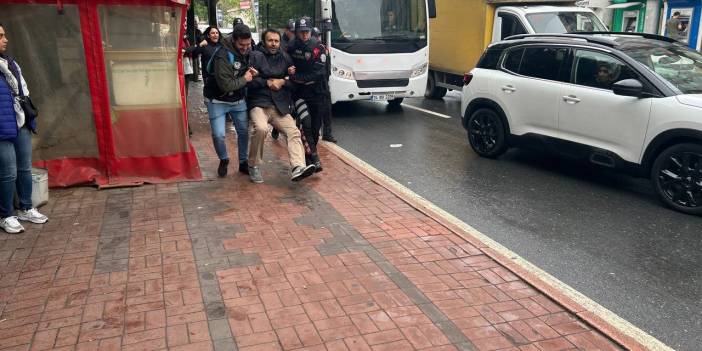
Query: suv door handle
point(509, 89)
point(571, 99)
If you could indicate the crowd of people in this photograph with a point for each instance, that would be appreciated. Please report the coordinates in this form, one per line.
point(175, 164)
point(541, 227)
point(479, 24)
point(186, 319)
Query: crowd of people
point(281, 81)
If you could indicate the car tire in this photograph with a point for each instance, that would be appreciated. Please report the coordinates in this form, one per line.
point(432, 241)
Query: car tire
point(396, 102)
point(487, 134)
point(434, 92)
point(677, 177)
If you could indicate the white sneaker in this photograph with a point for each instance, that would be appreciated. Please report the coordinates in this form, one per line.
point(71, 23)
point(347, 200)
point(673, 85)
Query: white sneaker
point(11, 225)
point(32, 215)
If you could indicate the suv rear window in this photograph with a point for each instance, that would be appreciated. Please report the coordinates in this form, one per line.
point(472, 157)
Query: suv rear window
point(544, 63)
point(489, 59)
point(513, 59)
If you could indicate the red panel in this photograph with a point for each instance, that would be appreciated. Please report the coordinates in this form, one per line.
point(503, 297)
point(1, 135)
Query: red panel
point(92, 43)
point(129, 170)
point(154, 132)
point(72, 171)
point(177, 167)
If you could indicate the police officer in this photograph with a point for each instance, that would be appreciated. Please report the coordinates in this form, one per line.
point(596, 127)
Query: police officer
point(310, 60)
point(326, 119)
point(288, 35)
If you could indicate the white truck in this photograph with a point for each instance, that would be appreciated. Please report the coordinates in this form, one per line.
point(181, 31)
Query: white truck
point(463, 29)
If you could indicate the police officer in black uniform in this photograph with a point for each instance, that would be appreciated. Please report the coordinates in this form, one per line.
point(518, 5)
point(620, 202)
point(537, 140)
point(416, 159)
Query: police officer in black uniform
point(310, 60)
point(326, 119)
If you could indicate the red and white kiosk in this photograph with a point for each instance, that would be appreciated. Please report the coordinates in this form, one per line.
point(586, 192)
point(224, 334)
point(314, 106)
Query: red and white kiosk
point(107, 77)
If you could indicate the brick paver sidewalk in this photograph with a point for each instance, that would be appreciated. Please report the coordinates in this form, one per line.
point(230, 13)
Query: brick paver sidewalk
point(334, 263)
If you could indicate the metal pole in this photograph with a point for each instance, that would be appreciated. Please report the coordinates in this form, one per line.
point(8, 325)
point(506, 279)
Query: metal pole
point(268, 14)
point(212, 12)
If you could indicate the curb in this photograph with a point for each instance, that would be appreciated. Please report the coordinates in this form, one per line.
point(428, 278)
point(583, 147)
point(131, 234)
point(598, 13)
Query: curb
point(600, 318)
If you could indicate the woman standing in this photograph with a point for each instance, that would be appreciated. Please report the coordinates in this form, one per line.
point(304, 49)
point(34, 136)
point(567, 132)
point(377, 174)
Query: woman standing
point(16, 130)
point(206, 50)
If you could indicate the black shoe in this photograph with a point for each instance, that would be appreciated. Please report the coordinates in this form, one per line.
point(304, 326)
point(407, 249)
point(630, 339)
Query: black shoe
point(222, 169)
point(330, 138)
point(244, 167)
point(317, 164)
point(300, 173)
point(274, 134)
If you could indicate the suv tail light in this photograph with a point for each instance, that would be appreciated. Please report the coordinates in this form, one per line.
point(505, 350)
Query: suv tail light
point(467, 78)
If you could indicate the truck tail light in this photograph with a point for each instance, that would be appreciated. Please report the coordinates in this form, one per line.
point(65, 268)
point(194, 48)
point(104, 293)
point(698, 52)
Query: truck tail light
point(467, 78)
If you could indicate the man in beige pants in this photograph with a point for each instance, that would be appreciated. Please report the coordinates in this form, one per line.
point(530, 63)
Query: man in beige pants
point(269, 98)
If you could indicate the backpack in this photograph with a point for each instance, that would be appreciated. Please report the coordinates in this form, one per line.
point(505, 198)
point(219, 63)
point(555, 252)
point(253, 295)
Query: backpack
point(210, 63)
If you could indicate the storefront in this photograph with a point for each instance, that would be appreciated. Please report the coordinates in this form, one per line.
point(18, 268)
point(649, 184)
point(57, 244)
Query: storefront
point(628, 16)
point(107, 78)
point(690, 11)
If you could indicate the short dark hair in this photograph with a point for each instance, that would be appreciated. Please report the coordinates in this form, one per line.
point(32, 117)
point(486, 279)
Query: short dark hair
point(676, 13)
point(241, 31)
point(270, 31)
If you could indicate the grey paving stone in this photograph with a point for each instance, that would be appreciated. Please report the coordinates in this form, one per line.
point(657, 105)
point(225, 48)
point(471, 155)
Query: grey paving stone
point(454, 334)
point(215, 310)
point(224, 345)
point(110, 266)
point(219, 329)
point(433, 313)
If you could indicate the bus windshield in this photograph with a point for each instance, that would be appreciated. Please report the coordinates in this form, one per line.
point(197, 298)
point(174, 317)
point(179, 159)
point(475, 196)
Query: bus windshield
point(378, 20)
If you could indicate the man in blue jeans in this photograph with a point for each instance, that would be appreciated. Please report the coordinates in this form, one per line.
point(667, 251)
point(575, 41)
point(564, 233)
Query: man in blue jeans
point(227, 94)
point(15, 146)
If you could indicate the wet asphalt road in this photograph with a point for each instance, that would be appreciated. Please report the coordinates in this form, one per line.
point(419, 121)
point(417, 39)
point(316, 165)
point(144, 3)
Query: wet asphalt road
point(603, 233)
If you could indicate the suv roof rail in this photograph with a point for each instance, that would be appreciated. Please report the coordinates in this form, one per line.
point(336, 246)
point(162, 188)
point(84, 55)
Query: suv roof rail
point(588, 38)
point(592, 37)
point(631, 34)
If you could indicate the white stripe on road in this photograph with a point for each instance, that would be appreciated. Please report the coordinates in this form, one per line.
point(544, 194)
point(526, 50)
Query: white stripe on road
point(426, 111)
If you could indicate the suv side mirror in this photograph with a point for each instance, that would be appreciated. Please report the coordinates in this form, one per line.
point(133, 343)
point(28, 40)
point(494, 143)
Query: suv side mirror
point(628, 87)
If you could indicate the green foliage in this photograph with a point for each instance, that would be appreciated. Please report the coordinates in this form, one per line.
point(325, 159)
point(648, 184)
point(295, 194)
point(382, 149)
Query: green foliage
point(275, 13)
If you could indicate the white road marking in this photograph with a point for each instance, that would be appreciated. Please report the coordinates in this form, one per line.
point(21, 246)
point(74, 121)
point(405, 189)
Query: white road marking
point(427, 111)
point(619, 323)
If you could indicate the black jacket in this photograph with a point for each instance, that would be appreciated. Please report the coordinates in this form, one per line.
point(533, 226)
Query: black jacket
point(310, 60)
point(228, 84)
point(270, 66)
point(205, 53)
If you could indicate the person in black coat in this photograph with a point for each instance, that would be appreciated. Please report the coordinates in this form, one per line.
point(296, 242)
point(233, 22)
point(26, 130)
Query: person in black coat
point(206, 49)
point(269, 99)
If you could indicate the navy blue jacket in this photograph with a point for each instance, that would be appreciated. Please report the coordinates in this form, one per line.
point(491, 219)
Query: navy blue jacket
point(8, 119)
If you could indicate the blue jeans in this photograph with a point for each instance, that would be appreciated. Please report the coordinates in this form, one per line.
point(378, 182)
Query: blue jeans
point(16, 172)
point(218, 120)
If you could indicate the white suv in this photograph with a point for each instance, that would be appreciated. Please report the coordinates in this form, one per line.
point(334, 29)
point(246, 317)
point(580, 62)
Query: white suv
point(626, 101)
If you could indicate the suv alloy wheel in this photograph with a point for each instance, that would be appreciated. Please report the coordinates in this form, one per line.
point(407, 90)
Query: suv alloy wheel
point(677, 177)
point(487, 133)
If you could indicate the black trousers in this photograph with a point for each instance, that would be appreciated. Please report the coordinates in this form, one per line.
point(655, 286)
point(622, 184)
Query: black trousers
point(327, 119)
point(316, 110)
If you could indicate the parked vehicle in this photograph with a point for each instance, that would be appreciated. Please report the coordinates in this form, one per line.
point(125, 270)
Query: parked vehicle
point(619, 100)
point(463, 29)
point(379, 48)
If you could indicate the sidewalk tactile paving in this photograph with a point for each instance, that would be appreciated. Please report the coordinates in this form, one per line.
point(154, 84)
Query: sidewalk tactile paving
point(334, 263)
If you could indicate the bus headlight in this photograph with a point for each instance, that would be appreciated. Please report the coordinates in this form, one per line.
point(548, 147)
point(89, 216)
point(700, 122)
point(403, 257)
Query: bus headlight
point(419, 70)
point(342, 72)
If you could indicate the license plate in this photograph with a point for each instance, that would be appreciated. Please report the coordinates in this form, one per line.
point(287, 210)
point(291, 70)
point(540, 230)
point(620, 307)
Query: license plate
point(381, 97)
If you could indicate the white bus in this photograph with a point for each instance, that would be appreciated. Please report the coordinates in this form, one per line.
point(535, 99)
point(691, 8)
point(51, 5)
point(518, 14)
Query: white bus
point(379, 48)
